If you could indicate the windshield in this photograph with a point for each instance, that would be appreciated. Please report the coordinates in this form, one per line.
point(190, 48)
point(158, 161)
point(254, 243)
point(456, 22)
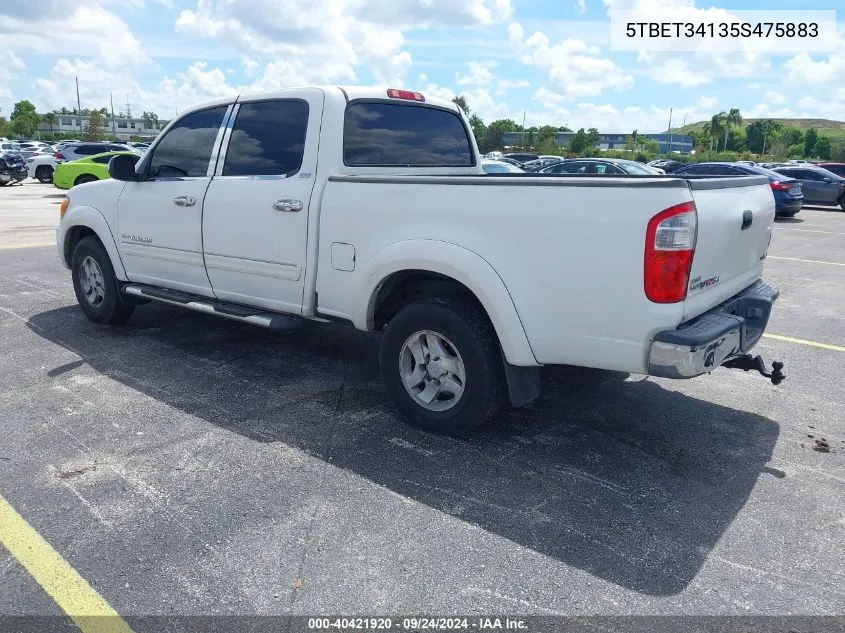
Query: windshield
point(633, 167)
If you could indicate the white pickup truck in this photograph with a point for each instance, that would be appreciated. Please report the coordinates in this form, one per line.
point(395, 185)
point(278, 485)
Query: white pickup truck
point(370, 206)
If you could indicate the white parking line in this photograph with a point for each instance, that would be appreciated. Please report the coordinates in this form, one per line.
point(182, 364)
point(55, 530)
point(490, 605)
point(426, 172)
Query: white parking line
point(808, 261)
point(783, 228)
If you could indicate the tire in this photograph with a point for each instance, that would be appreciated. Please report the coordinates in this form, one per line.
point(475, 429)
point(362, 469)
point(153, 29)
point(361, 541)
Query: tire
point(842, 203)
point(97, 290)
point(81, 180)
point(470, 344)
point(44, 173)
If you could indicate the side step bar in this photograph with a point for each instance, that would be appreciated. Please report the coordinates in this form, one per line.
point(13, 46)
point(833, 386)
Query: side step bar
point(197, 303)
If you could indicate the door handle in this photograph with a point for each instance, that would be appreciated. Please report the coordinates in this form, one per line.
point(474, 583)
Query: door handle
point(288, 205)
point(184, 201)
point(747, 219)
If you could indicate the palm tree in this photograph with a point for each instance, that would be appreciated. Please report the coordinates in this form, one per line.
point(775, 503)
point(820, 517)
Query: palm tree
point(461, 102)
point(717, 122)
point(50, 119)
point(731, 119)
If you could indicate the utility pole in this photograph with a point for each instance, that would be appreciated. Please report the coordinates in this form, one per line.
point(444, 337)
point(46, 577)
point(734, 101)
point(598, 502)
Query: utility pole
point(524, 112)
point(113, 122)
point(683, 125)
point(669, 134)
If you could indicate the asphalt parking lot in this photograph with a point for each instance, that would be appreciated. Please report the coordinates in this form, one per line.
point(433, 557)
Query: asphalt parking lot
point(187, 465)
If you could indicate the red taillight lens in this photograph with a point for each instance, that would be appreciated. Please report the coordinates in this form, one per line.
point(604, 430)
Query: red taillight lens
point(410, 95)
point(669, 249)
point(59, 156)
point(781, 186)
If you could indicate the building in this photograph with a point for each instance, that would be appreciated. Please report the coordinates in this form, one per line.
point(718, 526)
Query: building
point(122, 127)
point(616, 141)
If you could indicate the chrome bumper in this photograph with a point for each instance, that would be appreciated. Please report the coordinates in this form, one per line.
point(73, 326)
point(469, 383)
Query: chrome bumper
point(702, 344)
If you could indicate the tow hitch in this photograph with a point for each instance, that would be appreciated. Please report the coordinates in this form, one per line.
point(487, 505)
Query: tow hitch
point(748, 362)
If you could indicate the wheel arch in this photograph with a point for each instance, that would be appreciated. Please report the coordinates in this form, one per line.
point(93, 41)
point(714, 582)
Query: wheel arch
point(82, 222)
point(433, 263)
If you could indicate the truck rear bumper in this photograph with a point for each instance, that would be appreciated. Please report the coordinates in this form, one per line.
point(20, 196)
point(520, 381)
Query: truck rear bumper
point(723, 333)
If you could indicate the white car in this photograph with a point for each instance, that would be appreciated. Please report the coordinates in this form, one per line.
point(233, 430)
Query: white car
point(370, 206)
point(41, 166)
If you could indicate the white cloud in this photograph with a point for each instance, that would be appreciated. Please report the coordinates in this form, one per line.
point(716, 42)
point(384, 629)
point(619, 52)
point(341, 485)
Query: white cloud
point(479, 74)
point(506, 85)
point(803, 69)
point(677, 71)
point(574, 67)
point(774, 97)
point(708, 103)
point(582, 6)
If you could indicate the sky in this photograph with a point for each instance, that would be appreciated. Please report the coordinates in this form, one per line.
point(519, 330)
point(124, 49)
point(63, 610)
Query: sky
point(548, 61)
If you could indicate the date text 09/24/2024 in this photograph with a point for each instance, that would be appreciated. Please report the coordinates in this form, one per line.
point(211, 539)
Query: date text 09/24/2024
point(417, 624)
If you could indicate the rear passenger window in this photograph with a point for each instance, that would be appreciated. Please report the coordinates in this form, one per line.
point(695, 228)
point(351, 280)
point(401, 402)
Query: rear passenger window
point(379, 134)
point(268, 139)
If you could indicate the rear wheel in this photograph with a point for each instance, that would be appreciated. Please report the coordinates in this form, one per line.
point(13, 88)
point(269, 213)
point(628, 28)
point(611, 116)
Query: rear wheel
point(85, 178)
point(842, 203)
point(44, 174)
point(441, 365)
point(95, 284)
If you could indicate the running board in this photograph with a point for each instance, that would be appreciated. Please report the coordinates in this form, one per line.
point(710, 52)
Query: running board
point(197, 303)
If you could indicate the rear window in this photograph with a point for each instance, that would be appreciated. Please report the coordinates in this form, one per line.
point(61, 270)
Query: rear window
point(380, 134)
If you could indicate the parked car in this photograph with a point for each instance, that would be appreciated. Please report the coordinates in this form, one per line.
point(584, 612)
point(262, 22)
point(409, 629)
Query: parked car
point(9, 147)
point(12, 169)
point(77, 172)
point(509, 161)
point(41, 167)
point(666, 164)
point(74, 151)
point(533, 165)
point(282, 206)
point(522, 157)
point(820, 185)
point(499, 167)
point(836, 168)
point(788, 194)
point(607, 166)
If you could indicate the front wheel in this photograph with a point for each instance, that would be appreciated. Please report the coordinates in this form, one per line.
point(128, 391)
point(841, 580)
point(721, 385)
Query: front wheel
point(95, 284)
point(441, 365)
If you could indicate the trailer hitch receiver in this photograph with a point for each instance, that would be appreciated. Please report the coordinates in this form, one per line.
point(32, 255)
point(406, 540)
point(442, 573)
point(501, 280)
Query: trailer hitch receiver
point(747, 362)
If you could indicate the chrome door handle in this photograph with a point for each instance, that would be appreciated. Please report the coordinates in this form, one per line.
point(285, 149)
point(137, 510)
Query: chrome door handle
point(184, 201)
point(288, 205)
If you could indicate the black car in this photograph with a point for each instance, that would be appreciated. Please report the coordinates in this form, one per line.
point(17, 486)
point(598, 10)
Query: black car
point(787, 191)
point(667, 164)
point(12, 169)
point(522, 157)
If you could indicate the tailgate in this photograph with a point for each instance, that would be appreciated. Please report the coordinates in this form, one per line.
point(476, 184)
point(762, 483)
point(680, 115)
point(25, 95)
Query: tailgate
point(735, 217)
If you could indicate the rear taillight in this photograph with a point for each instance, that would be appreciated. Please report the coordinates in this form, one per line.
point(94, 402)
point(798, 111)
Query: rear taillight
point(669, 249)
point(781, 186)
point(59, 156)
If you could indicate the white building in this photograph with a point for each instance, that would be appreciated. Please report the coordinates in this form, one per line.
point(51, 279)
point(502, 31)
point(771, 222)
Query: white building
point(122, 127)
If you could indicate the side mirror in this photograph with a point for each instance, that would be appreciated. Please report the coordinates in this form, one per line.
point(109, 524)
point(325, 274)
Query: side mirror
point(122, 167)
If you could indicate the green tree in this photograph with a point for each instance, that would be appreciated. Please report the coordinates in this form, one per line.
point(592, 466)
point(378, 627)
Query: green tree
point(791, 135)
point(810, 139)
point(507, 125)
point(759, 134)
point(651, 146)
point(2, 126)
point(50, 119)
point(633, 143)
point(546, 134)
point(579, 142)
point(592, 138)
point(459, 101)
point(478, 129)
point(564, 128)
point(94, 129)
point(24, 119)
point(717, 125)
point(728, 120)
point(494, 138)
point(824, 148)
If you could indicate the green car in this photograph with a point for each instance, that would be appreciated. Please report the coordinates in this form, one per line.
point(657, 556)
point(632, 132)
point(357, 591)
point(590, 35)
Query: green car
point(86, 169)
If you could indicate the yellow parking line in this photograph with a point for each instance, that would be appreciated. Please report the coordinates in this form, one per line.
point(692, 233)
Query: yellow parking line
point(808, 261)
point(801, 341)
point(86, 607)
point(8, 247)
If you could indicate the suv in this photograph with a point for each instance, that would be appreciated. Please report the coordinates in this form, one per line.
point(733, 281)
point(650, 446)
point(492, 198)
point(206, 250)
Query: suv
point(73, 151)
